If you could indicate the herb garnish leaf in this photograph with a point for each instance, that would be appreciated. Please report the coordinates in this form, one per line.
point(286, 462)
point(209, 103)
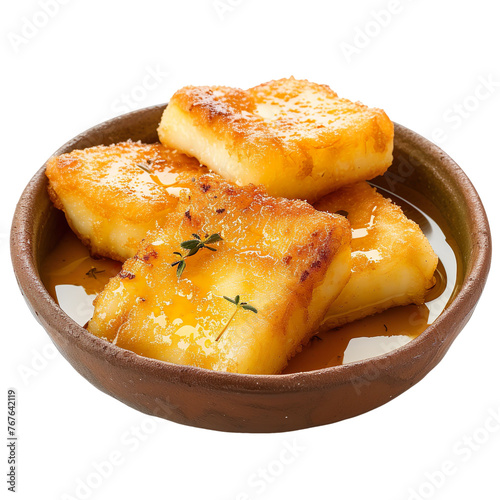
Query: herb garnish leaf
point(239, 305)
point(193, 247)
point(92, 272)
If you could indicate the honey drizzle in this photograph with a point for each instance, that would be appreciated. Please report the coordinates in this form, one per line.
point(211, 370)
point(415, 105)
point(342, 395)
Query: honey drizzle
point(65, 273)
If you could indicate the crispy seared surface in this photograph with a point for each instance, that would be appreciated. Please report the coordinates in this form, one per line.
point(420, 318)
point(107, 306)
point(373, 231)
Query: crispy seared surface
point(392, 260)
point(295, 137)
point(111, 202)
point(281, 256)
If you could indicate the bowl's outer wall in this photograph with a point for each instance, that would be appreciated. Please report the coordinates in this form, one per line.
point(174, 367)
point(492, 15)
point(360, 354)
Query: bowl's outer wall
point(256, 403)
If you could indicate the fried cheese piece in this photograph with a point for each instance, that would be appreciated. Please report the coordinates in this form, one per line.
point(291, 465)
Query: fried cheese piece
point(392, 261)
point(295, 137)
point(113, 195)
point(279, 256)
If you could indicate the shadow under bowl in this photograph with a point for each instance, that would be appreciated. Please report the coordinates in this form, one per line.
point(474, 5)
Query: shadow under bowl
point(256, 403)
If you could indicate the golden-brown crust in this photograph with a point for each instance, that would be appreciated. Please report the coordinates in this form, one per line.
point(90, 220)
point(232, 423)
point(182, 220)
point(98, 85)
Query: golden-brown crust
point(278, 254)
point(111, 180)
point(285, 134)
point(220, 204)
point(392, 260)
point(384, 225)
point(127, 186)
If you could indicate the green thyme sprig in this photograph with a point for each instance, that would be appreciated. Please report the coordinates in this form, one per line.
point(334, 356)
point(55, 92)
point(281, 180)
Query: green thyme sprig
point(181, 263)
point(197, 244)
point(242, 305)
point(193, 247)
point(92, 272)
point(239, 305)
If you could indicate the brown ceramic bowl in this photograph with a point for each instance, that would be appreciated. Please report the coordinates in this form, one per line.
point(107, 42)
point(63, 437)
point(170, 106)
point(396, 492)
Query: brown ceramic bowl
point(256, 403)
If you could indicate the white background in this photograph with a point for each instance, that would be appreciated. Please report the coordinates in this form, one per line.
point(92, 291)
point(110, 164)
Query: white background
point(74, 71)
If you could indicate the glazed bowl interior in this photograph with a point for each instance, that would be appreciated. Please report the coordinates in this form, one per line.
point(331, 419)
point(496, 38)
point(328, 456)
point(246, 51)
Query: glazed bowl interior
point(258, 403)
